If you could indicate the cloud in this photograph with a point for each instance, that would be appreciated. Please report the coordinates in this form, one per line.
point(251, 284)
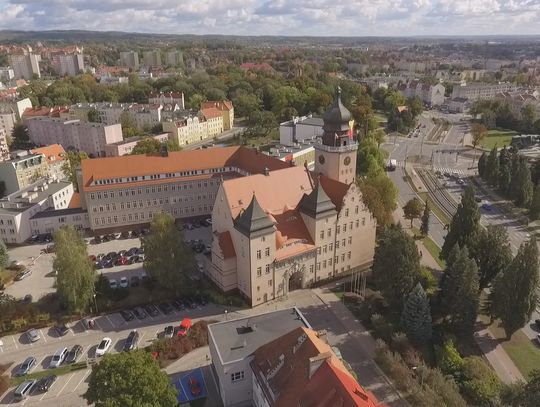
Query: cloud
point(278, 17)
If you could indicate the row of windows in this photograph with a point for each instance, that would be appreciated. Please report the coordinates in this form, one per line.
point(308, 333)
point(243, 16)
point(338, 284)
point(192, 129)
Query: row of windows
point(149, 203)
point(342, 228)
point(153, 190)
point(106, 220)
point(11, 231)
point(266, 270)
point(336, 261)
point(330, 246)
point(266, 253)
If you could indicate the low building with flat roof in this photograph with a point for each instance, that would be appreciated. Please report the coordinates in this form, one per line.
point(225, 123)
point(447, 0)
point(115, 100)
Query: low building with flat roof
point(126, 146)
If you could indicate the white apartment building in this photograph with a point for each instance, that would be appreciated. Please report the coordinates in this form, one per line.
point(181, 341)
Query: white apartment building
point(50, 220)
point(6, 74)
point(54, 154)
point(431, 95)
point(4, 149)
point(22, 170)
point(152, 58)
point(175, 58)
point(144, 116)
point(25, 66)
point(74, 134)
point(18, 208)
point(300, 130)
point(192, 129)
point(18, 106)
point(167, 98)
point(129, 59)
point(68, 64)
point(481, 91)
point(7, 120)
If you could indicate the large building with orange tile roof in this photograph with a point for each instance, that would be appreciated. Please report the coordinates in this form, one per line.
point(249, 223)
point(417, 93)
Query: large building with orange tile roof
point(54, 154)
point(225, 107)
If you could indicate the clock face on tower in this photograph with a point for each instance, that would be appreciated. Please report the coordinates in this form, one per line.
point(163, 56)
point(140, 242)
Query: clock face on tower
point(347, 160)
point(321, 159)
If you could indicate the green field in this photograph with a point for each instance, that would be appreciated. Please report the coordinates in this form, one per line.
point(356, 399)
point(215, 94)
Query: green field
point(499, 138)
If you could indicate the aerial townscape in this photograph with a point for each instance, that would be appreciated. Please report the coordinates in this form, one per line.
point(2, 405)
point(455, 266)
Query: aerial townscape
point(269, 204)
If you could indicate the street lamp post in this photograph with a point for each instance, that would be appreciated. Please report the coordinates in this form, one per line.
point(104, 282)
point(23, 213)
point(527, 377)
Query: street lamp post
point(95, 303)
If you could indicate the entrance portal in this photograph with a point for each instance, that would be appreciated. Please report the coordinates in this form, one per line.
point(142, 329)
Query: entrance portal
point(295, 281)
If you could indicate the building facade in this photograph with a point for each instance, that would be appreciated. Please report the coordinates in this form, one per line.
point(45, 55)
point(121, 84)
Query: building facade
point(54, 154)
point(152, 58)
point(225, 107)
point(129, 59)
point(481, 91)
point(431, 95)
point(6, 74)
point(25, 66)
point(167, 98)
point(21, 171)
point(7, 120)
point(91, 138)
point(68, 64)
point(175, 58)
point(126, 146)
point(4, 148)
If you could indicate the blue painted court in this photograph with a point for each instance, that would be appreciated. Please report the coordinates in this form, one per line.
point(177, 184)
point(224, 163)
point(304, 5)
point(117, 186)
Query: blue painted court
point(191, 386)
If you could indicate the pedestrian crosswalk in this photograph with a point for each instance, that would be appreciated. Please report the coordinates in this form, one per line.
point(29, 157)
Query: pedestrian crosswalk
point(442, 170)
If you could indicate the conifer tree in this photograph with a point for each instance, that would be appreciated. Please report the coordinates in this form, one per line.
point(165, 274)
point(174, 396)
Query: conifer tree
point(534, 209)
point(424, 227)
point(493, 255)
point(416, 316)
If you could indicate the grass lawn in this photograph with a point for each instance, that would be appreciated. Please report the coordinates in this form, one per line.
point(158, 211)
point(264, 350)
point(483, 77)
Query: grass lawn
point(523, 352)
point(63, 369)
point(499, 138)
point(431, 247)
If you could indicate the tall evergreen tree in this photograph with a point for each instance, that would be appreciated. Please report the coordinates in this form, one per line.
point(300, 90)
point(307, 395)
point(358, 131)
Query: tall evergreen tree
point(482, 165)
point(493, 255)
point(396, 265)
point(514, 167)
point(504, 171)
point(464, 227)
point(534, 209)
point(459, 295)
point(4, 255)
point(416, 316)
point(492, 167)
point(424, 227)
point(514, 291)
point(523, 185)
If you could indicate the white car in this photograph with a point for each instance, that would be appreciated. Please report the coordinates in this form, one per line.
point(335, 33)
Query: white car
point(113, 284)
point(103, 346)
point(58, 358)
point(124, 282)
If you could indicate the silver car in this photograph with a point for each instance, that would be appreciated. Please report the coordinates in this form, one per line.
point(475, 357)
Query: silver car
point(32, 335)
point(26, 366)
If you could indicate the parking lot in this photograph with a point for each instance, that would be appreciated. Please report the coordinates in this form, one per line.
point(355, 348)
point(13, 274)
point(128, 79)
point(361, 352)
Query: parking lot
point(41, 281)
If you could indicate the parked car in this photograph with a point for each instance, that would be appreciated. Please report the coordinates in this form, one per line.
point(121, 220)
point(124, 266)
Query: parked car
point(74, 354)
point(113, 284)
point(111, 256)
point(486, 207)
point(196, 224)
point(58, 357)
point(151, 310)
point(23, 274)
point(179, 305)
point(125, 235)
point(131, 341)
point(28, 298)
point(139, 313)
point(92, 258)
point(45, 383)
point(103, 346)
point(23, 390)
point(166, 308)
point(201, 299)
point(61, 329)
point(209, 221)
point(108, 263)
point(204, 223)
point(133, 251)
point(188, 226)
point(32, 335)
point(168, 332)
point(100, 256)
point(144, 276)
point(183, 329)
point(122, 253)
point(26, 366)
point(127, 315)
point(537, 323)
point(98, 265)
point(135, 281)
point(121, 261)
point(191, 302)
point(124, 283)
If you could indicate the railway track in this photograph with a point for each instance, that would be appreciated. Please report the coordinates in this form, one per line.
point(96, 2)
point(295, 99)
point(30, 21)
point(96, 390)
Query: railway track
point(437, 193)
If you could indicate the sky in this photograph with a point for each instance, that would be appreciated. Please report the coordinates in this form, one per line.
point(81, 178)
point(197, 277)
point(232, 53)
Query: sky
point(278, 17)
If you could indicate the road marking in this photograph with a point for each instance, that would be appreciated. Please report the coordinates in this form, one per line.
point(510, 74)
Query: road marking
point(63, 387)
point(43, 336)
point(40, 362)
point(86, 374)
point(110, 322)
point(85, 352)
point(14, 342)
point(140, 337)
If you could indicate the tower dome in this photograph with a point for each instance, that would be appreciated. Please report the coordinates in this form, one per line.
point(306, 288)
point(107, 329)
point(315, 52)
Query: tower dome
point(337, 117)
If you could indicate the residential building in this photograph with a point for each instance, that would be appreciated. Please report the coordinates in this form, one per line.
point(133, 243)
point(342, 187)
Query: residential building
point(175, 58)
point(7, 120)
point(167, 98)
point(232, 345)
point(304, 129)
point(18, 106)
point(74, 134)
point(431, 95)
point(477, 91)
point(520, 99)
point(68, 64)
point(51, 219)
point(276, 359)
point(214, 121)
point(289, 228)
point(4, 149)
point(6, 74)
point(60, 112)
point(55, 155)
point(459, 105)
point(22, 170)
point(226, 108)
point(152, 58)
point(191, 129)
point(18, 208)
point(129, 59)
point(182, 183)
point(126, 146)
point(25, 66)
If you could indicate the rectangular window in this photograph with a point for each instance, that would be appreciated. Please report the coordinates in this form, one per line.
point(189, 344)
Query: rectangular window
point(343, 242)
point(237, 376)
point(331, 246)
point(349, 255)
point(267, 252)
point(258, 254)
point(357, 223)
point(350, 240)
point(347, 212)
point(363, 221)
point(259, 271)
point(344, 227)
point(269, 283)
point(337, 229)
point(356, 209)
point(267, 270)
point(322, 234)
point(329, 232)
point(325, 247)
point(324, 264)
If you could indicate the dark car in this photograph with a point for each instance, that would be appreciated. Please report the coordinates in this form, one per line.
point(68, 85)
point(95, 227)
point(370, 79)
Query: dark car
point(132, 252)
point(135, 234)
point(122, 253)
point(166, 308)
point(139, 313)
point(127, 315)
point(168, 332)
point(201, 299)
point(191, 303)
point(537, 323)
point(74, 354)
point(61, 329)
point(141, 250)
point(111, 256)
point(108, 263)
point(26, 366)
point(196, 224)
point(98, 265)
point(179, 305)
point(125, 235)
point(131, 341)
point(204, 223)
point(135, 281)
point(188, 226)
point(151, 309)
point(45, 383)
point(96, 240)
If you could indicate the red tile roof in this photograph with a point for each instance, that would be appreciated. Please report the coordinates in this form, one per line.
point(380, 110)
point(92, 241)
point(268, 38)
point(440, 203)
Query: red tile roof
point(53, 153)
point(44, 111)
point(226, 245)
point(211, 112)
point(75, 201)
point(222, 105)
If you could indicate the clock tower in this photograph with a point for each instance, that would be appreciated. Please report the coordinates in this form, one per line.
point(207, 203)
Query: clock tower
point(335, 154)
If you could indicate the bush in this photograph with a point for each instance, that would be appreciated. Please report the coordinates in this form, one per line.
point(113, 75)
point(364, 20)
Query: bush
point(400, 343)
point(449, 359)
point(382, 328)
point(445, 387)
point(428, 280)
point(480, 384)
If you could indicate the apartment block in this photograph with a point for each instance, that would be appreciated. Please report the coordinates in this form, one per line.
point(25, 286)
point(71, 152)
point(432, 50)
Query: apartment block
point(7, 120)
point(167, 98)
point(225, 107)
point(126, 146)
point(22, 170)
point(74, 134)
point(6, 74)
point(214, 121)
point(68, 64)
point(481, 91)
point(129, 59)
point(175, 58)
point(16, 105)
point(25, 66)
point(152, 58)
point(431, 95)
point(192, 129)
point(4, 149)
point(55, 156)
point(18, 208)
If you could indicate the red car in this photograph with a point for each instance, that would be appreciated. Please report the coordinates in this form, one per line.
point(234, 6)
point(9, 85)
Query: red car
point(92, 258)
point(194, 386)
point(122, 261)
point(184, 327)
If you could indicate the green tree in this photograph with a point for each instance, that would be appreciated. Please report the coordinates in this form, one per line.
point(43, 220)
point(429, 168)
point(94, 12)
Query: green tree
point(534, 209)
point(93, 116)
point(504, 171)
point(396, 265)
point(478, 133)
point(129, 379)
point(416, 316)
point(150, 145)
point(448, 359)
point(493, 255)
point(413, 209)
point(4, 255)
point(482, 166)
point(521, 180)
point(167, 258)
point(514, 291)
point(464, 227)
point(492, 167)
point(19, 137)
point(379, 194)
point(424, 227)
point(459, 295)
point(480, 383)
point(72, 161)
point(75, 274)
point(530, 396)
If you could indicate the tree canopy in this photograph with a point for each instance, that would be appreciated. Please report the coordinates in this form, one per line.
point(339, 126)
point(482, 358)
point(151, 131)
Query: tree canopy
point(72, 161)
point(416, 316)
point(413, 209)
point(493, 255)
point(150, 145)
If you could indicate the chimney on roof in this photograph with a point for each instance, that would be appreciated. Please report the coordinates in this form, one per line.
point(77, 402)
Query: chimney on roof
point(266, 171)
point(316, 361)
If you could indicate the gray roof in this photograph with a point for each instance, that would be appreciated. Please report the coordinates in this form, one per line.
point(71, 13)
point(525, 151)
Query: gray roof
point(236, 339)
point(253, 220)
point(317, 203)
point(313, 121)
point(336, 118)
point(51, 212)
point(16, 202)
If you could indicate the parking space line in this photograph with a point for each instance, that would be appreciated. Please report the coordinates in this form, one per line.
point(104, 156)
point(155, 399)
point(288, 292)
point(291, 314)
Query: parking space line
point(86, 374)
point(43, 336)
point(14, 342)
point(85, 352)
point(62, 389)
point(142, 336)
point(110, 322)
point(40, 362)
